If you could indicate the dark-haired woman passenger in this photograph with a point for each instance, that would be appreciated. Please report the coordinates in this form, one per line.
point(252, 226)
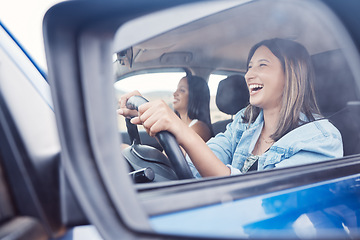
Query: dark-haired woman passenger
point(191, 104)
point(281, 126)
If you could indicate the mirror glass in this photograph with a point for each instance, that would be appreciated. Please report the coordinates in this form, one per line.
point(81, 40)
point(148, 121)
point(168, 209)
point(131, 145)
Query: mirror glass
point(154, 52)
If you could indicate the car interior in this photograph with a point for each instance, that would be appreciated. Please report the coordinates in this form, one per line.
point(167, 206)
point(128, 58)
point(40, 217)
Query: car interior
point(226, 50)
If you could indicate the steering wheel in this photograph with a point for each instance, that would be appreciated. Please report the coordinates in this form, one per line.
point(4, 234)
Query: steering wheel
point(167, 142)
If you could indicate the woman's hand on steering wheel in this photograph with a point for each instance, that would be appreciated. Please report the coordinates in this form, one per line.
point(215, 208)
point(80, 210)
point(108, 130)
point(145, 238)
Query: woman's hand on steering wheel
point(155, 116)
point(123, 110)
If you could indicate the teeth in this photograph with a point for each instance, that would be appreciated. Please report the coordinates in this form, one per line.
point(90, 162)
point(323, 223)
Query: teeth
point(253, 86)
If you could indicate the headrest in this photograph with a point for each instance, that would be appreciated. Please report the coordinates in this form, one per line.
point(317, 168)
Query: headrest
point(232, 94)
point(334, 83)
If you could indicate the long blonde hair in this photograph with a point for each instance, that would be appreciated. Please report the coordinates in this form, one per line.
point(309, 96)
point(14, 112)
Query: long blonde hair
point(299, 94)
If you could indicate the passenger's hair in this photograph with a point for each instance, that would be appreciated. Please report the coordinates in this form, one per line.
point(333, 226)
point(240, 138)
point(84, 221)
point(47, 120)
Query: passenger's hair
point(199, 100)
point(299, 94)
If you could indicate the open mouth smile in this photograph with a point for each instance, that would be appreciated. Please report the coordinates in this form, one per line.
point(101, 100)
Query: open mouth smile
point(254, 88)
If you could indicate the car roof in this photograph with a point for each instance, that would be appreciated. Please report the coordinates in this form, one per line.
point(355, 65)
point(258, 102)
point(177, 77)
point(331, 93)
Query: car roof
point(226, 35)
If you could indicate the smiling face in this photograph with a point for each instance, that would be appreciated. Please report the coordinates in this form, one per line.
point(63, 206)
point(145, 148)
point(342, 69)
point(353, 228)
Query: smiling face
point(265, 79)
point(181, 96)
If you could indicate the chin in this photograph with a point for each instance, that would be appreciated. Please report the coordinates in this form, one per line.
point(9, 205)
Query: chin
point(254, 103)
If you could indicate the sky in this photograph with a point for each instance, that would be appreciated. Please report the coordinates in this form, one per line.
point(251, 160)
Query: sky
point(23, 18)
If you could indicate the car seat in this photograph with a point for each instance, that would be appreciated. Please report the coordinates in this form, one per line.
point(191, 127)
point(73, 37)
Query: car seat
point(338, 98)
point(232, 95)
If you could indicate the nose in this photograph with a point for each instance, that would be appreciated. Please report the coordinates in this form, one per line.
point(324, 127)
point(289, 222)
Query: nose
point(175, 93)
point(249, 74)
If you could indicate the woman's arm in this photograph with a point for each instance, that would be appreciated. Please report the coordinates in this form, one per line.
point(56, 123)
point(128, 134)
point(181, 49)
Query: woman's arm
point(202, 157)
point(157, 116)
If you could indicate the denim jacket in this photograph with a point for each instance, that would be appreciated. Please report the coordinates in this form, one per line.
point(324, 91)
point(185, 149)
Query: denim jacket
point(312, 142)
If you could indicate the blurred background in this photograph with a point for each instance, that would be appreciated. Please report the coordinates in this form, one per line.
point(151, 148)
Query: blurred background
point(23, 18)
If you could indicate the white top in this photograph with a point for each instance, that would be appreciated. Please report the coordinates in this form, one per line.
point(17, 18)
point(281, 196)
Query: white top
point(193, 122)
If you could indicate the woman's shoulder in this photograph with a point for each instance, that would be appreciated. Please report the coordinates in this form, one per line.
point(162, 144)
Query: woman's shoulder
point(324, 127)
point(319, 137)
point(202, 129)
point(314, 130)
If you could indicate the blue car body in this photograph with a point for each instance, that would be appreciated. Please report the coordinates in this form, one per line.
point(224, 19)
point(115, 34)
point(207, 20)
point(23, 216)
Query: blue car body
point(328, 209)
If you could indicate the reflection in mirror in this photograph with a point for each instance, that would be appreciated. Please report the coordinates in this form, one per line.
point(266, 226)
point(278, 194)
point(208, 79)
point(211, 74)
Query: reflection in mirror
point(306, 78)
